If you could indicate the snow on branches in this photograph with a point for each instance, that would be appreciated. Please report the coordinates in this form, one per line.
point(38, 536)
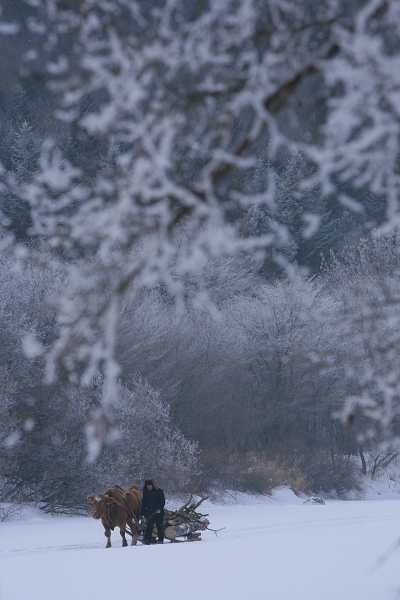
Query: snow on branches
point(189, 94)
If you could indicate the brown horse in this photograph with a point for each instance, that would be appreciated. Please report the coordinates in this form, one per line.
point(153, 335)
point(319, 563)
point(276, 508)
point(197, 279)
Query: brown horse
point(116, 508)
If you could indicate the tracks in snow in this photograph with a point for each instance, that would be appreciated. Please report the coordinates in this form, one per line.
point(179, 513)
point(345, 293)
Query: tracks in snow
point(303, 524)
point(225, 533)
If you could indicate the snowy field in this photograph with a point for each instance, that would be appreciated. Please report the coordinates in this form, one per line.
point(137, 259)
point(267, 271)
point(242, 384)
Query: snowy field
point(268, 548)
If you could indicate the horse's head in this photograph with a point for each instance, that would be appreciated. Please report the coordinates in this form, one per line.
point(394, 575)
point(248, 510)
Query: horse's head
point(100, 502)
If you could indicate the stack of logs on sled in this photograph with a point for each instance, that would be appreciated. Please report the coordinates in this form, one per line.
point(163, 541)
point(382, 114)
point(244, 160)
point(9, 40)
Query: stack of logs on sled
point(184, 523)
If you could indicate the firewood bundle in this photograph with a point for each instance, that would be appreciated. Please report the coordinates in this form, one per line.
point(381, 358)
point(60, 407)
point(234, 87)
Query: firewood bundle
point(185, 522)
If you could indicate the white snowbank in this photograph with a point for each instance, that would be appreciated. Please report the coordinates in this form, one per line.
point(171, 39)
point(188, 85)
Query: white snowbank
point(276, 548)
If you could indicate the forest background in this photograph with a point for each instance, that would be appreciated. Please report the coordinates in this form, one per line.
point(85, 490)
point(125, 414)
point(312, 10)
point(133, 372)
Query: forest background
point(199, 248)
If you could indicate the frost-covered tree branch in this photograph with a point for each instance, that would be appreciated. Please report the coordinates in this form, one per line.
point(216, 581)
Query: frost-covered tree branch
point(189, 94)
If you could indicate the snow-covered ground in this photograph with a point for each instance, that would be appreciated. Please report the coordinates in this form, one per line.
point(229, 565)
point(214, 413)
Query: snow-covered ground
point(268, 548)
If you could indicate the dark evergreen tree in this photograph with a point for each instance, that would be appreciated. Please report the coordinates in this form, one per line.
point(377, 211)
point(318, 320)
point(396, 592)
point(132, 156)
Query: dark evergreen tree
point(82, 149)
point(25, 152)
point(20, 106)
point(293, 211)
point(22, 155)
point(298, 210)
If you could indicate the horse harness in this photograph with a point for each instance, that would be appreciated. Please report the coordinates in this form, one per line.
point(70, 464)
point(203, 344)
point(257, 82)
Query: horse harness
point(125, 495)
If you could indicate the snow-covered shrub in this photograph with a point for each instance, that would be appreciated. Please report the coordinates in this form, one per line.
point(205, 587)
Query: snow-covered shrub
point(147, 443)
point(9, 512)
point(242, 472)
point(320, 472)
point(47, 462)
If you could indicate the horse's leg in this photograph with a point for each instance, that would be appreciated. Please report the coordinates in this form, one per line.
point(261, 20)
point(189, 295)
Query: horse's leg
point(134, 530)
point(107, 533)
point(122, 530)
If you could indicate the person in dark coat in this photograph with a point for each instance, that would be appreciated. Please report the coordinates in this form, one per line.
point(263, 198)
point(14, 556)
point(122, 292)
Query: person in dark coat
point(153, 510)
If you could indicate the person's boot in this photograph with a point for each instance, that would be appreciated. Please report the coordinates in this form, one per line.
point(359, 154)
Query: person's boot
point(160, 541)
point(146, 542)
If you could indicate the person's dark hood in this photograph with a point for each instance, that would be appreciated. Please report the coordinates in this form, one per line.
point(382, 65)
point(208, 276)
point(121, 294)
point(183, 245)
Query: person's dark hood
point(147, 482)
